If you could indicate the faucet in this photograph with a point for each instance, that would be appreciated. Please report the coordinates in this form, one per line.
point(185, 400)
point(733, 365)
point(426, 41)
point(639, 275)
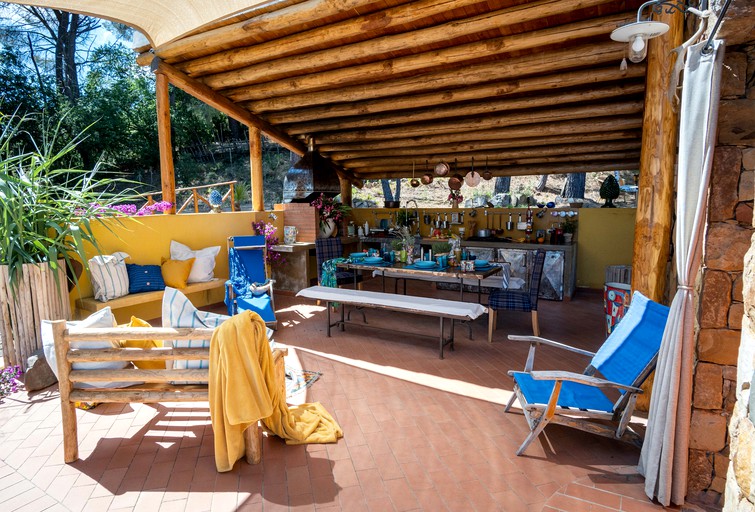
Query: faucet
point(416, 212)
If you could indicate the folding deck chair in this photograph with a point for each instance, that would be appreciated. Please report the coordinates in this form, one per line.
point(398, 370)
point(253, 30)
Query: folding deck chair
point(576, 400)
point(248, 287)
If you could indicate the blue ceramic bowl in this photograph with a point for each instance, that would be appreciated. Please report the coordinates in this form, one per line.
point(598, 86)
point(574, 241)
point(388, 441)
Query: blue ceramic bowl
point(371, 260)
point(357, 255)
point(481, 263)
point(424, 264)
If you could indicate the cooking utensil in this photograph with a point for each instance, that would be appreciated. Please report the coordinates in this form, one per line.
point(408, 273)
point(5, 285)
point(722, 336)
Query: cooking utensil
point(442, 169)
point(427, 178)
point(427, 219)
point(486, 174)
point(472, 179)
point(483, 233)
point(455, 181)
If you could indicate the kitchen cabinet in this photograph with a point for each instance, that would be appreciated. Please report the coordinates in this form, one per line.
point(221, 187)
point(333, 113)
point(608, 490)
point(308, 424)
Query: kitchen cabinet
point(559, 270)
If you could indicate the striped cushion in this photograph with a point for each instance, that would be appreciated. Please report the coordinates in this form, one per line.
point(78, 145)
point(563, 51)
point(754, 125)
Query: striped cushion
point(144, 278)
point(178, 311)
point(109, 276)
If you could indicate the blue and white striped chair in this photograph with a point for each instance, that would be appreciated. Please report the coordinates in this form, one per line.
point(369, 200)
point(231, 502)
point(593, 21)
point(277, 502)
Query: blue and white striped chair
point(601, 405)
point(517, 300)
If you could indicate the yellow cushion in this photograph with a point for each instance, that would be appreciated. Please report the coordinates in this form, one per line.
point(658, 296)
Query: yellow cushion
point(176, 272)
point(144, 365)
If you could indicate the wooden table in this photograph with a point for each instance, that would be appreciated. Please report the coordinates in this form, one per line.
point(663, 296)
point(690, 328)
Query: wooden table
point(452, 273)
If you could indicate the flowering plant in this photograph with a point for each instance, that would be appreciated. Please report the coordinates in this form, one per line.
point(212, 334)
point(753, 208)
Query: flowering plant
point(147, 209)
point(267, 229)
point(330, 209)
point(455, 197)
point(8, 382)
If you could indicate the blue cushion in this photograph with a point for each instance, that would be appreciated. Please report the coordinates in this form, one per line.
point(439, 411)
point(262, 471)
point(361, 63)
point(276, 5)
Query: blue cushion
point(144, 278)
point(573, 394)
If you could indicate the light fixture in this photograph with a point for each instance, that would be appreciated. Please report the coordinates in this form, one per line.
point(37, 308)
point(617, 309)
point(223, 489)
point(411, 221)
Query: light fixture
point(638, 33)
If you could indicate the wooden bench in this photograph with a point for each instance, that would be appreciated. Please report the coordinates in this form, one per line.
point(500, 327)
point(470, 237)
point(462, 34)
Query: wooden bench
point(91, 305)
point(441, 308)
point(156, 385)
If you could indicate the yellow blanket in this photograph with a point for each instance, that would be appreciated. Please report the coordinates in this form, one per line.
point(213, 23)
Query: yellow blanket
point(243, 390)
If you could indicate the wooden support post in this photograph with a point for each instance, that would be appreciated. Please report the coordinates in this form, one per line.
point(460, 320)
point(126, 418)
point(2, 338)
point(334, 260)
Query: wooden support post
point(655, 197)
point(345, 191)
point(167, 173)
point(67, 409)
point(255, 167)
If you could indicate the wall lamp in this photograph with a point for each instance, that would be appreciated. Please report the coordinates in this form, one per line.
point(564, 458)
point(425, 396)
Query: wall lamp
point(638, 32)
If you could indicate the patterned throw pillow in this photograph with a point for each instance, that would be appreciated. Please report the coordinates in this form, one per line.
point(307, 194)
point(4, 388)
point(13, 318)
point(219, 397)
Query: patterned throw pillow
point(144, 278)
point(204, 264)
point(109, 276)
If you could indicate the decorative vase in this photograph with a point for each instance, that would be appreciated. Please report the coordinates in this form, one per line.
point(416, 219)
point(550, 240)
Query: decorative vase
point(327, 228)
point(568, 238)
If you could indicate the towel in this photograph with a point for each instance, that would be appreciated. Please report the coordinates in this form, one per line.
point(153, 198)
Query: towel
point(243, 390)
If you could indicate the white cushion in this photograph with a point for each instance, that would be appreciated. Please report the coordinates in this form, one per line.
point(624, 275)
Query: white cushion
point(103, 318)
point(203, 268)
point(109, 276)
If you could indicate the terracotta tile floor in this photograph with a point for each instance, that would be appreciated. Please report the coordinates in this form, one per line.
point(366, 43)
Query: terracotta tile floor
point(420, 433)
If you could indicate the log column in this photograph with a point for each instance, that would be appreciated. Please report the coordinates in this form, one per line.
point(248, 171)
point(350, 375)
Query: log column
point(255, 168)
point(167, 172)
point(655, 197)
point(345, 191)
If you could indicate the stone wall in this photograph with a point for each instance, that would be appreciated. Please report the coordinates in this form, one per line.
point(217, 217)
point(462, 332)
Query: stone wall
point(725, 338)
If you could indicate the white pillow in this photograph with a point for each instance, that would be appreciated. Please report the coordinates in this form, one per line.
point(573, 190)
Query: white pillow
point(203, 268)
point(109, 276)
point(103, 318)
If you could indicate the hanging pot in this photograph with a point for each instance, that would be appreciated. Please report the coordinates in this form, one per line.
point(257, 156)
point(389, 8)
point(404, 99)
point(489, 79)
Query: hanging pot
point(472, 179)
point(427, 179)
point(486, 174)
point(442, 169)
point(414, 182)
point(455, 181)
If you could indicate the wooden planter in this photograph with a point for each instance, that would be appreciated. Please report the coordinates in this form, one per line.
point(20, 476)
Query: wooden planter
point(37, 298)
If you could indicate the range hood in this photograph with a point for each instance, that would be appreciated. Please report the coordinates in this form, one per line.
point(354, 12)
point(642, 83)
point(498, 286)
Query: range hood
point(309, 177)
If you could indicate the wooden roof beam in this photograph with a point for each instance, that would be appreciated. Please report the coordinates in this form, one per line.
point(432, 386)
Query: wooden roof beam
point(287, 20)
point(464, 167)
point(446, 97)
point(465, 126)
point(359, 28)
point(348, 58)
point(469, 148)
point(498, 134)
point(287, 97)
point(223, 104)
point(490, 107)
point(533, 170)
point(499, 155)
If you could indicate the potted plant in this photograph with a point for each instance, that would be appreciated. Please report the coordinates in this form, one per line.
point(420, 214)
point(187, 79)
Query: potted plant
point(241, 192)
point(46, 216)
point(441, 248)
point(569, 227)
point(331, 212)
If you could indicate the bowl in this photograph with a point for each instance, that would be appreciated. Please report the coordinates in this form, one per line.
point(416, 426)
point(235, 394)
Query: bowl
point(481, 263)
point(424, 264)
point(357, 255)
point(371, 260)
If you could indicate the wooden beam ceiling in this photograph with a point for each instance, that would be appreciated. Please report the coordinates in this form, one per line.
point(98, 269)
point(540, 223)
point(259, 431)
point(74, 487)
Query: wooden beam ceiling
point(534, 87)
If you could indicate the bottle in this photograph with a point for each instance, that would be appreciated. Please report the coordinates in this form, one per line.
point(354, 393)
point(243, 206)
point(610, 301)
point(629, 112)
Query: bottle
point(528, 228)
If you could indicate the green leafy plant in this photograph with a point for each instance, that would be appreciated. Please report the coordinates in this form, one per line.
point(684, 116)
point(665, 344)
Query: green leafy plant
point(569, 225)
point(46, 208)
point(241, 192)
point(441, 247)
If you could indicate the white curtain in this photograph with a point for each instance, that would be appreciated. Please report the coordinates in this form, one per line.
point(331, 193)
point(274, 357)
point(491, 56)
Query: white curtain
point(664, 456)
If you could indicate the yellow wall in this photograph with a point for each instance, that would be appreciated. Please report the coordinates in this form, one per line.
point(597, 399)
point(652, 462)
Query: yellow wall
point(605, 236)
point(147, 240)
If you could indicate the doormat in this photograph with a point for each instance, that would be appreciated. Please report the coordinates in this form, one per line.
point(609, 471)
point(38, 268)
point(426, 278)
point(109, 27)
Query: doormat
point(298, 380)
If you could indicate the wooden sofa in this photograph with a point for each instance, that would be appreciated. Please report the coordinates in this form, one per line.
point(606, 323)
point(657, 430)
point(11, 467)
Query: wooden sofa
point(157, 385)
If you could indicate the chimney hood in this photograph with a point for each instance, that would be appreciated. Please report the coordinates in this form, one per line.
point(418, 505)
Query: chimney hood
point(309, 177)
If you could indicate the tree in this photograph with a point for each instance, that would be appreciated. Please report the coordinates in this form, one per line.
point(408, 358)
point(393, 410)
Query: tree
point(387, 193)
point(502, 185)
point(542, 183)
point(17, 92)
point(574, 186)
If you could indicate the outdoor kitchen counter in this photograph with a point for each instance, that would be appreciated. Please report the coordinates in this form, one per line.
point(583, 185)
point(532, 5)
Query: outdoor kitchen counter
point(559, 272)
